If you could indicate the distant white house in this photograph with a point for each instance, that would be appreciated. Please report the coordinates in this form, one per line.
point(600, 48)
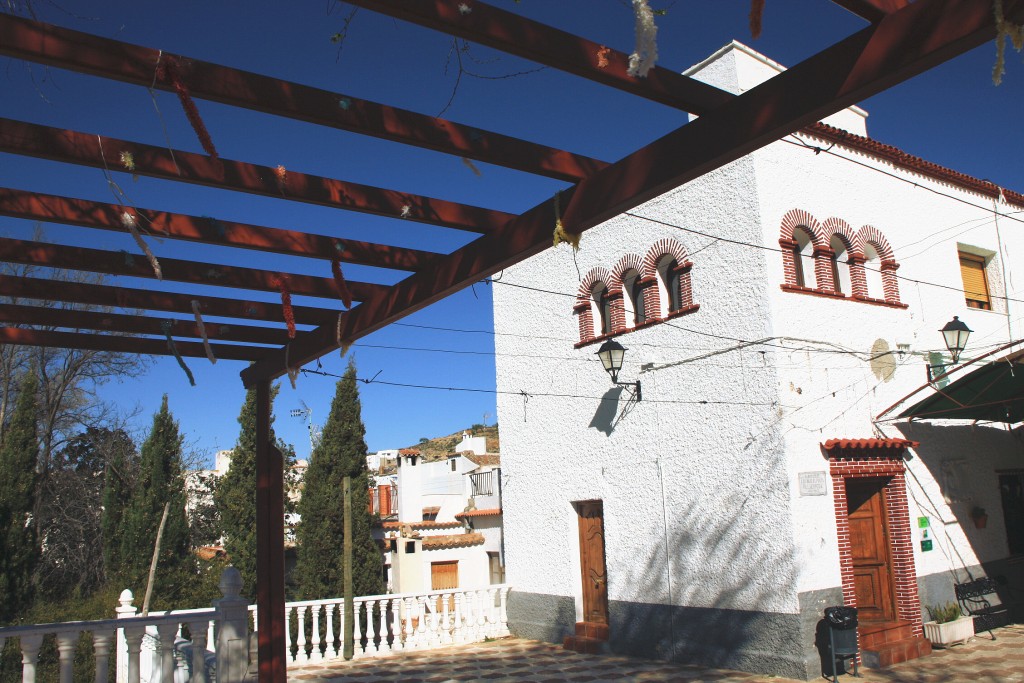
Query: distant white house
point(441, 521)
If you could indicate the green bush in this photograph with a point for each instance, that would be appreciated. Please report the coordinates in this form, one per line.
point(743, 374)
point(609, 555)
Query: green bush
point(942, 614)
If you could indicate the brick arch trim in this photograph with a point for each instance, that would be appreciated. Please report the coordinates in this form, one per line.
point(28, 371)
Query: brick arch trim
point(594, 277)
point(837, 227)
point(663, 247)
point(798, 218)
point(869, 234)
point(625, 264)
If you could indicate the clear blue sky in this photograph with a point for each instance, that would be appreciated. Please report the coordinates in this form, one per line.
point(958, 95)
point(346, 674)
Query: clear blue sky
point(953, 116)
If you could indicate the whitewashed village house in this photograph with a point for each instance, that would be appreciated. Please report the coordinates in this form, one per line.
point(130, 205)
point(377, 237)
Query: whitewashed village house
point(441, 521)
point(771, 310)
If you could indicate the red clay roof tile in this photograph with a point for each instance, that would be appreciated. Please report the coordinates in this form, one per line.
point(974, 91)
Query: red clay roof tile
point(867, 444)
point(452, 541)
point(478, 513)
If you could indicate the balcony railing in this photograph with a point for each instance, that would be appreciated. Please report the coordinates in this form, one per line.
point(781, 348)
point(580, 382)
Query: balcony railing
point(151, 649)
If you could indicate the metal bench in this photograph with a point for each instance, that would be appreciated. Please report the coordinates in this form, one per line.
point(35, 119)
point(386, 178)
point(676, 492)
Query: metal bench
point(973, 601)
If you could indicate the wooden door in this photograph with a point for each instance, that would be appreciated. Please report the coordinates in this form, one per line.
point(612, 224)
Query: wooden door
point(869, 548)
point(444, 576)
point(592, 564)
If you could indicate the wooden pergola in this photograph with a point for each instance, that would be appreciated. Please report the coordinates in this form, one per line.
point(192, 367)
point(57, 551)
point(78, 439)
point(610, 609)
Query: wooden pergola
point(903, 39)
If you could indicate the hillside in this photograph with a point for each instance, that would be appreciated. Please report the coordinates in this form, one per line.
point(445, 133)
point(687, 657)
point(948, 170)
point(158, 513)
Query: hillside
point(441, 447)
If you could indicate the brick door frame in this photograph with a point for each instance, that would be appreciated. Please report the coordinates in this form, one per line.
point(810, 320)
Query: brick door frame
point(845, 464)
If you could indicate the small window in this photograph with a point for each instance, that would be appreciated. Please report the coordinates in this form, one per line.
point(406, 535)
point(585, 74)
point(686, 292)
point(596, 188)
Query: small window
point(873, 272)
point(603, 305)
point(669, 281)
point(840, 266)
point(1011, 489)
point(410, 547)
point(634, 298)
point(803, 251)
point(972, 271)
point(453, 464)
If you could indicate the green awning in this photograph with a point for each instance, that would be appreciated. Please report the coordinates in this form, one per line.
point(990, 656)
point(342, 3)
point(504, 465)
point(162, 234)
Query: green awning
point(994, 392)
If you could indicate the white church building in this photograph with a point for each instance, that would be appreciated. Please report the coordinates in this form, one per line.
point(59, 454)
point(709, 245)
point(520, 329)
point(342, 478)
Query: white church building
point(772, 311)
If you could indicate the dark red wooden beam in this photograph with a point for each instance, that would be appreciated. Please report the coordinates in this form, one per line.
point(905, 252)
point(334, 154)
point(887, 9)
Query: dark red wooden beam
point(270, 596)
point(901, 45)
point(67, 49)
point(16, 288)
point(872, 10)
point(207, 230)
point(517, 35)
point(18, 137)
point(70, 318)
point(135, 264)
point(106, 342)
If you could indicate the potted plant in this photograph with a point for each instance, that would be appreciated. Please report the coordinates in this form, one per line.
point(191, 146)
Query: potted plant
point(948, 625)
point(980, 517)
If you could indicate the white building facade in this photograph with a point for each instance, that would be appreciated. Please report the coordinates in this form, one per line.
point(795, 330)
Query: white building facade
point(771, 310)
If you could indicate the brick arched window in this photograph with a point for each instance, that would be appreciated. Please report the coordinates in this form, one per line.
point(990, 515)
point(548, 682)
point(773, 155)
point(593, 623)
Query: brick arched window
point(847, 258)
point(805, 253)
point(876, 247)
point(668, 269)
point(627, 277)
point(593, 306)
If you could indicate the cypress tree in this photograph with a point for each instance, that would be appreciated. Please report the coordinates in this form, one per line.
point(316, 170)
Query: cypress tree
point(118, 483)
point(160, 481)
point(235, 496)
point(341, 452)
point(18, 551)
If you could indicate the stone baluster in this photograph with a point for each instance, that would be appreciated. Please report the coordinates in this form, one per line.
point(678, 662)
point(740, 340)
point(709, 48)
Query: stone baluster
point(288, 632)
point(232, 629)
point(481, 614)
point(30, 645)
point(446, 621)
point(300, 636)
point(492, 611)
point(102, 642)
point(330, 650)
point(503, 611)
point(66, 642)
point(408, 632)
point(424, 614)
point(397, 635)
point(133, 640)
point(167, 631)
point(357, 632)
point(458, 631)
point(199, 631)
point(383, 647)
point(124, 610)
point(315, 654)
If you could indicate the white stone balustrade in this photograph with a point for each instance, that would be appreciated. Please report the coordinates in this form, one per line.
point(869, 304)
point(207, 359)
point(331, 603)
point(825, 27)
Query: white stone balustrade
point(394, 623)
point(150, 649)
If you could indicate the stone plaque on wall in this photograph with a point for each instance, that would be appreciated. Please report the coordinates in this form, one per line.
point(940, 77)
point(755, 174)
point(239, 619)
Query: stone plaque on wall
point(812, 483)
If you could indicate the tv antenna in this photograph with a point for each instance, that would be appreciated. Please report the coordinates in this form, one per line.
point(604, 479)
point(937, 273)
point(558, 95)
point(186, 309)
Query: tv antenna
point(306, 413)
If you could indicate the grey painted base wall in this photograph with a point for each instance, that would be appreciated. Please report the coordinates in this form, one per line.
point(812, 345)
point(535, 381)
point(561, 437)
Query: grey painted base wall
point(757, 642)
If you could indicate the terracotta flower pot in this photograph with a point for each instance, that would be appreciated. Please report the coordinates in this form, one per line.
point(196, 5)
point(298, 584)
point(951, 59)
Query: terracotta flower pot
point(980, 521)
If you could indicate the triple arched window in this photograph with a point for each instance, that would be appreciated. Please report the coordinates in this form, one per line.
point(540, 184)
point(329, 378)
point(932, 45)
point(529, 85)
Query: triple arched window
point(831, 259)
point(636, 292)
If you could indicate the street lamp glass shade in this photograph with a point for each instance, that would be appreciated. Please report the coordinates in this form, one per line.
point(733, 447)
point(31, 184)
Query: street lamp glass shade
point(611, 353)
point(955, 334)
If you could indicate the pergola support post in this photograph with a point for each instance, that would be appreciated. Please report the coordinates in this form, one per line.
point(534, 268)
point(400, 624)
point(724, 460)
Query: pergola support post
point(269, 545)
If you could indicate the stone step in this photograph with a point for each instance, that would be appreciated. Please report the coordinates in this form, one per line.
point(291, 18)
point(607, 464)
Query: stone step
point(896, 652)
point(873, 635)
point(592, 629)
point(585, 645)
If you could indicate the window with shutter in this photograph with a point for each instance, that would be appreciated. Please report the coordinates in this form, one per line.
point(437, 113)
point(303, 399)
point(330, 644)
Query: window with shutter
point(972, 271)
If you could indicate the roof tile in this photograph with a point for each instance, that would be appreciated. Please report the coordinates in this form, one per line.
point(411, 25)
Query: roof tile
point(868, 444)
point(452, 541)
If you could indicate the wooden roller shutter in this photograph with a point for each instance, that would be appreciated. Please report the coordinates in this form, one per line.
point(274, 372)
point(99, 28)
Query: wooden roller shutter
point(972, 270)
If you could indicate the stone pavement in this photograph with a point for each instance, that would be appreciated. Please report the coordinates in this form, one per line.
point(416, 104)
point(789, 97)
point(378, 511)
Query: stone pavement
point(503, 661)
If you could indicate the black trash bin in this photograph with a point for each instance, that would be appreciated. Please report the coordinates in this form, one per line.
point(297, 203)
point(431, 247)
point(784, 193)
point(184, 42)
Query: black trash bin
point(841, 622)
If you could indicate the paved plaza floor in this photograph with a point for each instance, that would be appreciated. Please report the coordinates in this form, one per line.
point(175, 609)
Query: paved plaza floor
point(982, 660)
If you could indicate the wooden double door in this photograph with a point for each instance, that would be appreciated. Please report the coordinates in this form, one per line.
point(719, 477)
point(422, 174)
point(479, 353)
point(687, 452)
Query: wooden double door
point(592, 562)
point(870, 549)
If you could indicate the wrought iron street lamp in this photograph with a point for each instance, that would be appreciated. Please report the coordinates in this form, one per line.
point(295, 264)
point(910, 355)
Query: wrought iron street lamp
point(611, 354)
point(954, 334)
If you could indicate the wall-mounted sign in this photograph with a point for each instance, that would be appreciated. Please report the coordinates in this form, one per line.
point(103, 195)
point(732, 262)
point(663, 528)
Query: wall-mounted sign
point(812, 483)
point(926, 545)
point(923, 523)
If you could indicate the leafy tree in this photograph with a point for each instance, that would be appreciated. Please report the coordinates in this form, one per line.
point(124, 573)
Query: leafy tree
point(160, 481)
point(18, 550)
point(235, 494)
point(341, 452)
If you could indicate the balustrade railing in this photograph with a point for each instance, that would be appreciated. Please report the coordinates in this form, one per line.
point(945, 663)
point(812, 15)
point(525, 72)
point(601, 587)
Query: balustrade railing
point(394, 623)
point(152, 649)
